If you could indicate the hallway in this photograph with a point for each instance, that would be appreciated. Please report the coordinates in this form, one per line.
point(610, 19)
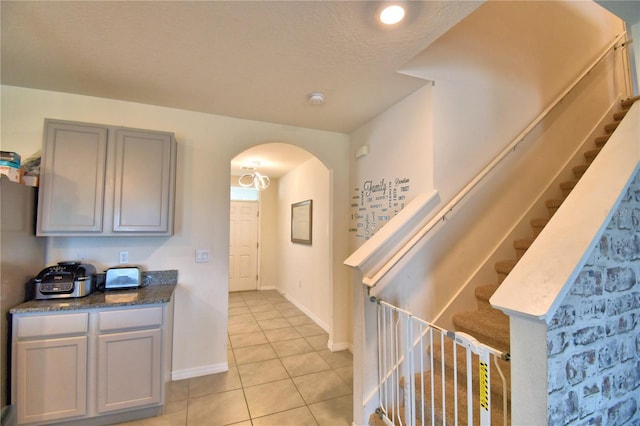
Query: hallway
point(280, 373)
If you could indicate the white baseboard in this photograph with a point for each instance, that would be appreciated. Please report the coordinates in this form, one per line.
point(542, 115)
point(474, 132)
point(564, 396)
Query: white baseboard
point(267, 287)
point(307, 312)
point(199, 371)
point(331, 345)
point(335, 347)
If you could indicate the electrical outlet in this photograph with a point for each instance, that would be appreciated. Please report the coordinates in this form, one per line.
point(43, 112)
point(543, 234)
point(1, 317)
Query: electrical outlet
point(124, 257)
point(202, 255)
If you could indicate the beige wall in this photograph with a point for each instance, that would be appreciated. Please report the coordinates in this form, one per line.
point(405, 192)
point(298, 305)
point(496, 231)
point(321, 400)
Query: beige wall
point(304, 271)
point(206, 145)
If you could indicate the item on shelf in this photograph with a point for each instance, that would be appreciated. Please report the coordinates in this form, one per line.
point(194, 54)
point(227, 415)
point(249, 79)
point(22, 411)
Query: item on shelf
point(10, 164)
point(10, 156)
point(13, 173)
point(31, 165)
point(31, 170)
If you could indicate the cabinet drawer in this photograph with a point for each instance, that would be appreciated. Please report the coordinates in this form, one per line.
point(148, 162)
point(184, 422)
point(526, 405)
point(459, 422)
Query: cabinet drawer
point(52, 325)
point(130, 318)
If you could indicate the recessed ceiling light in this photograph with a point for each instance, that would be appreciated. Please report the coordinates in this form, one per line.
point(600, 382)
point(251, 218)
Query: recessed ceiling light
point(392, 14)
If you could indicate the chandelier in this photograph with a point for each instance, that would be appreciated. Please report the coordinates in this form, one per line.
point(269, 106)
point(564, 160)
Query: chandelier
point(254, 179)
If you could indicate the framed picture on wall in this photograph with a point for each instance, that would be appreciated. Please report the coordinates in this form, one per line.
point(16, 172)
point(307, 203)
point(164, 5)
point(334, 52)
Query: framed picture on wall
point(301, 221)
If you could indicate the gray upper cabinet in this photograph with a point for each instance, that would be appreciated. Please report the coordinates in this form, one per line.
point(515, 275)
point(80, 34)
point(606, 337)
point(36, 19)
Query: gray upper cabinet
point(105, 181)
point(72, 178)
point(144, 180)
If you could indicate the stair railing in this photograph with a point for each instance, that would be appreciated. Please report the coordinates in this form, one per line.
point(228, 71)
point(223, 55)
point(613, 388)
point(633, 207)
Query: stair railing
point(361, 258)
point(407, 372)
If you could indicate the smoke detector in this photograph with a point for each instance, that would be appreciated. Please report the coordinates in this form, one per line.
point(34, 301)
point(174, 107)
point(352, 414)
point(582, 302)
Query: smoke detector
point(316, 98)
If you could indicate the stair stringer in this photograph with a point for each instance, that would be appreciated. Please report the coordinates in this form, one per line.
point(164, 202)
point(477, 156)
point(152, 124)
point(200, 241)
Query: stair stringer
point(464, 299)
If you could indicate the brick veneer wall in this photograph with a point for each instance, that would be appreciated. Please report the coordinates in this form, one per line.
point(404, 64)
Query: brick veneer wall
point(593, 341)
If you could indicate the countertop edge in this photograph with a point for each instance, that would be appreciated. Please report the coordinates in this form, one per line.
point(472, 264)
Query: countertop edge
point(151, 295)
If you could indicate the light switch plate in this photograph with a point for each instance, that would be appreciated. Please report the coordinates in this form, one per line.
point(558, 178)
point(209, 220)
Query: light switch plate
point(124, 257)
point(202, 255)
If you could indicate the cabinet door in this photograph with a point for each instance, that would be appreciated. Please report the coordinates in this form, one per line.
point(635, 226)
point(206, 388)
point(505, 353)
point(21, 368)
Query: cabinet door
point(51, 379)
point(73, 178)
point(129, 373)
point(144, 182)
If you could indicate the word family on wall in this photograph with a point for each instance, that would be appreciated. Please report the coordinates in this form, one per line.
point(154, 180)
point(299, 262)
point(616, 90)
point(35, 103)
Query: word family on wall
point(375, 202)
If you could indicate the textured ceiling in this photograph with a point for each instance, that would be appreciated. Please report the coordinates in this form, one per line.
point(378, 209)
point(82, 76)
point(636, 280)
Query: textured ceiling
point(255, 60)
point(249, 59)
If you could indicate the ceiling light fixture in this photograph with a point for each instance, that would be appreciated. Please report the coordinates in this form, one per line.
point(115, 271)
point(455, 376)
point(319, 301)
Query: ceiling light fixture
point(254, 179)
point(316, 98)
point(392, 14)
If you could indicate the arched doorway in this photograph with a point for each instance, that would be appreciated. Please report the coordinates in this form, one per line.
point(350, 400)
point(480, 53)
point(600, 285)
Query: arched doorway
point(300, 272)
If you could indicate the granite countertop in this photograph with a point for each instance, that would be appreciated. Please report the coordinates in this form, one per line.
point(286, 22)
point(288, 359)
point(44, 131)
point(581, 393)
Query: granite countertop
point(160, 290)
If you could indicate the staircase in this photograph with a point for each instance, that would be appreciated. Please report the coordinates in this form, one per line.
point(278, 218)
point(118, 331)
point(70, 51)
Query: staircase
point(489, 325)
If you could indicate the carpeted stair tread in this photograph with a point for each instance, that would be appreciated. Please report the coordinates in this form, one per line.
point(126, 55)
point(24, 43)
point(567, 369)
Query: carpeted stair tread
point(490, 327)
point(521, 246)
point(538, 225)
point(618, 116)
point(591, 155)
point(553, 205)
point(497, 386)
point(554, 202)
point(628, 102)
point(567, 186)
point(503, 267)
point(602, 140)
point(537, 222)
point(496, 403)
point(609, 128)
point(578, 171)
point(376, 420)
point(483, 294)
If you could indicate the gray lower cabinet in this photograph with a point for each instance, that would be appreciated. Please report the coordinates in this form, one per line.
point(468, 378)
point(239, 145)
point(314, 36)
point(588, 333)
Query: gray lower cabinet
point(129, 361)
point(48, 364)
point(101, 180)
point(128, 370)
point(86, 366)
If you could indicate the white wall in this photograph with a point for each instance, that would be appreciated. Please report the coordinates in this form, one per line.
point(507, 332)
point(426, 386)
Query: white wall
point(206, 145)
point(269, 236)
point(304, 271)
point(400, 145)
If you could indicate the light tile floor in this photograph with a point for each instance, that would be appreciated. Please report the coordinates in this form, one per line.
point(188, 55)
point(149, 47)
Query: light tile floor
point(280, 373)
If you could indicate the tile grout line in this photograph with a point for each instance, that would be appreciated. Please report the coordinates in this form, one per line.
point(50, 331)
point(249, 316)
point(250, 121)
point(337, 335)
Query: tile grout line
point(305, 338)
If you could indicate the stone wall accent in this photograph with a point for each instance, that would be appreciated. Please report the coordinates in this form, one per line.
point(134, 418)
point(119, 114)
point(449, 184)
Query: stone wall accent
point(593, 340)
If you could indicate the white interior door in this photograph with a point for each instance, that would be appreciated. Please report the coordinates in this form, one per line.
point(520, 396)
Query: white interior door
point(243, 246)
